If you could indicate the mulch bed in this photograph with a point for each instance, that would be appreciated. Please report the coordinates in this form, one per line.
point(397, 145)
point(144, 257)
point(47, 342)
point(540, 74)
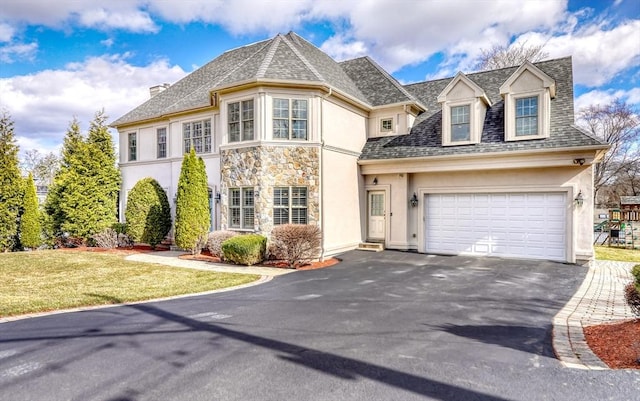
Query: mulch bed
point(205, 256)
point(616, 344)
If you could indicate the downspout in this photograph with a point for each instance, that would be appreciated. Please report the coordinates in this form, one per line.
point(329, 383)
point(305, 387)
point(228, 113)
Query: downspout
point(321, 166)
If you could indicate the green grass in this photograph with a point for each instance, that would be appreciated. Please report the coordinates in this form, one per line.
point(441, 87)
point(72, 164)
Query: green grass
point(619, 254)
point(50, 280)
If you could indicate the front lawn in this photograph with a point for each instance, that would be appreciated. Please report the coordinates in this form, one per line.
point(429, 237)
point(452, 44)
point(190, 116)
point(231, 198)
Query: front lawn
point(49, 280)
point(619, 254)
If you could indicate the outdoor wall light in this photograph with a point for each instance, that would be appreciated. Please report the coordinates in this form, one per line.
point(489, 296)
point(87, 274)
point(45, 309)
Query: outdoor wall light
point(578, 161)
point(217, 197)
point(579, 199)
point(414, 200)
point(375, 180)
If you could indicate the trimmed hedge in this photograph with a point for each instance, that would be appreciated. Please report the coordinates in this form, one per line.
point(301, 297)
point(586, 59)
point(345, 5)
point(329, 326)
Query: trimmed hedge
point(245, 249)
point(148, 213)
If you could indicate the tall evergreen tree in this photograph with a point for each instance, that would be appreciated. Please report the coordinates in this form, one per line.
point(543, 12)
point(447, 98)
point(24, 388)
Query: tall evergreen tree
point(148, 212)
point(83, 199)
point(192, 204)
point(30, 231)
point(10, 185)
point(54, 215)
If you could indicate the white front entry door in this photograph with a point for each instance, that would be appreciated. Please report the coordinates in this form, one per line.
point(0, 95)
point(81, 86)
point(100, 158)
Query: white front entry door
point(376, 212)
point(524, 225)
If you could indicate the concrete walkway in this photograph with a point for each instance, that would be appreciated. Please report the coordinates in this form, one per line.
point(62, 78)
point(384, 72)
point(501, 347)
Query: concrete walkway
point(170, 258)
point(600, 299)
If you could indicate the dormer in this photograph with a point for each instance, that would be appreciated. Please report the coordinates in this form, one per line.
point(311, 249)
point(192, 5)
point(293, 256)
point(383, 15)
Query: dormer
point(527, 98)
point(464, 105)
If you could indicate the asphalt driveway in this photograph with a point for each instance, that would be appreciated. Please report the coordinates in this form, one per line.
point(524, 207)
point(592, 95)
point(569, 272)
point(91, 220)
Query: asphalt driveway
point(378, 326)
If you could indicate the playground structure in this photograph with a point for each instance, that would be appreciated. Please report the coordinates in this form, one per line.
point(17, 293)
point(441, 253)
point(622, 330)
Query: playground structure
point(622, 229)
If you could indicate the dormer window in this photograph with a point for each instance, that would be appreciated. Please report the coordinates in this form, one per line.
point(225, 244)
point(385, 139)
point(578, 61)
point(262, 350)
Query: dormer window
point(527, 103)
point(386, 125)
point(464, 105)
point(460, 123)
point(527, 116)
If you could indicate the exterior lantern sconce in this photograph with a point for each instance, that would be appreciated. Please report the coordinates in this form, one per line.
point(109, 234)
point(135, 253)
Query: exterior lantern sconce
point(578, 161)
point(414, 200)
point(375, 180)
point(579, 199)
point(217, 197)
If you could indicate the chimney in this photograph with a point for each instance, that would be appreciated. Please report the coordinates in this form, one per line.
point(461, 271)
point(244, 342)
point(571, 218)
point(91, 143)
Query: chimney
point(154, 90)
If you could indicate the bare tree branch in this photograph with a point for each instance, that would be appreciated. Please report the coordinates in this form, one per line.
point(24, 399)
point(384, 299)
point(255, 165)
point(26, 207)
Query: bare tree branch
point(617, 124)
point(500, 56)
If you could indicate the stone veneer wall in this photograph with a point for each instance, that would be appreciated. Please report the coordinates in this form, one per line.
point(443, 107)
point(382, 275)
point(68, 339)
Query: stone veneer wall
point(266, 167)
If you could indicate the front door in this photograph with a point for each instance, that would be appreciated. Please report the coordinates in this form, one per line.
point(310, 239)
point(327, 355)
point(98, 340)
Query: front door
point(376, 214)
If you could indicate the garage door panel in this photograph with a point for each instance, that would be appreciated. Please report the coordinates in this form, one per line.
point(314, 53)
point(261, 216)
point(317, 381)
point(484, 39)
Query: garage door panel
point(530, 225)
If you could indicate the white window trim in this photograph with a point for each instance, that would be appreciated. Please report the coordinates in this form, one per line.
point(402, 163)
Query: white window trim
point(308, 119)
point(381, 125)
point(255, 119)
point(241, 227)
point(211, 135)
point(166, 143)
point(129, 153)
point(476, 121)
point(544, 114)
point(290, 207)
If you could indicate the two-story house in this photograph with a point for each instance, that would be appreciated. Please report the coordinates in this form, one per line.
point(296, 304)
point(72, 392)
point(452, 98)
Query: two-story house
point(488, 163)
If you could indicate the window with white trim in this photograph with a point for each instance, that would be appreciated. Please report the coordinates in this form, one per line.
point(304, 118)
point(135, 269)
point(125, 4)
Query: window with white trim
point(161, 139)
point(290, 205)
point(386, 125)
point(460, 123)
point(290, 119)
point(197, 135)
point(241, 208)
point(527, 116)
point(133, 146)
point(240, 121)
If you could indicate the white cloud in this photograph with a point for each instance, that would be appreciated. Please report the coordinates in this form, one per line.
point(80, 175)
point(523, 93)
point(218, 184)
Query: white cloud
point(11, 52)
point(43, 104)
point(98, 14)
point(398, 37)
point(6, 32)
point(599, 54)
point(602, 97)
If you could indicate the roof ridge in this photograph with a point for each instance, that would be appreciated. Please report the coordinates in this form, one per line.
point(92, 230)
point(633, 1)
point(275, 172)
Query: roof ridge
point(262, 70)
point(246, 60)
point(391, 79)
point(303, 59)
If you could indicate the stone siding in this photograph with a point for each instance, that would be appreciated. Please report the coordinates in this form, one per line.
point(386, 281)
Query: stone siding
point(266, 167)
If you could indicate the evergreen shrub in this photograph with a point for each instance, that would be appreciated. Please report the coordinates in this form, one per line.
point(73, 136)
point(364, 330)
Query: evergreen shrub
point(245, 249)
point(148, 212)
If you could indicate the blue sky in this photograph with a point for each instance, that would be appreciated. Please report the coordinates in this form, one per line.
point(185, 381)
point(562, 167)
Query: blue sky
point(70, 58)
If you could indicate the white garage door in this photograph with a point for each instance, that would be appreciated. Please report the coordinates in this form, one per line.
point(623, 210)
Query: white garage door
point(524, 225)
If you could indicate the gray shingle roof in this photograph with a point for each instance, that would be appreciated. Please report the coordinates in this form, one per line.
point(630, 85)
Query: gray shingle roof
point(285, 57)
point(425, 138)
point(376, 84)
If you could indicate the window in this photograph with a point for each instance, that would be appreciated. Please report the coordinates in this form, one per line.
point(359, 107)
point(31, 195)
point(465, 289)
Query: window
point(133, 146)
point(197, 135)
point(289, 119)
point(460, 124)
point(527, 116)
point(161, 137)
point(240, 121)
point(289, 205)
point(386, 125)
point(241, 208)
